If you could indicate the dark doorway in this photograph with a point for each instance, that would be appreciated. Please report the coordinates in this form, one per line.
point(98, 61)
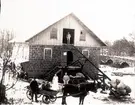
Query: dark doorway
point(70, 33)
point(69, 57)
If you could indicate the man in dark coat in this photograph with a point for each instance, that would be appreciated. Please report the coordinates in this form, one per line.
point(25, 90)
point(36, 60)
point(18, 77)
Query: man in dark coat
point(34, 89)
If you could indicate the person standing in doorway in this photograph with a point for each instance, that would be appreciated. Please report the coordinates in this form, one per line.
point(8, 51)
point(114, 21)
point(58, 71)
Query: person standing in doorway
point(68, 38)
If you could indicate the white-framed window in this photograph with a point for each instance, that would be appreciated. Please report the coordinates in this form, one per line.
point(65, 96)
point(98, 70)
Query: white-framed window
point(53, 33)
point(82, 35)
point(86, 53)
point(47, 53)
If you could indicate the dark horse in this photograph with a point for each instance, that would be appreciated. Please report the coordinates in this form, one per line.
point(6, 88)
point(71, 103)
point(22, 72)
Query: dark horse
point(78, 90)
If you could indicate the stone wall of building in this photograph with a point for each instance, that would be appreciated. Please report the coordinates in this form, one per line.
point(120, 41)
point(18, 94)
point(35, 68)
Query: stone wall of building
point(37, 66)
point(90, 67)
point(94, 54)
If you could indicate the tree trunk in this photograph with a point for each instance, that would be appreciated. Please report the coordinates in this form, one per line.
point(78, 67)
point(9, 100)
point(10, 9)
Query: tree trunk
point(2, 86)
point(2, 93)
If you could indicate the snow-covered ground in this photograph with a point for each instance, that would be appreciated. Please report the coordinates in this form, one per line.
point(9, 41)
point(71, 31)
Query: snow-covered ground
point(17, 95)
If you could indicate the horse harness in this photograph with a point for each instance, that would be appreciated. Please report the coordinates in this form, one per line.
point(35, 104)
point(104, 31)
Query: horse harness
point(79, 87)
point(70, 95)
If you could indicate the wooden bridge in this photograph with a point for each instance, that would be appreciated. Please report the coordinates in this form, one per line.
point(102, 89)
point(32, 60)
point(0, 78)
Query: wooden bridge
point(122, 60)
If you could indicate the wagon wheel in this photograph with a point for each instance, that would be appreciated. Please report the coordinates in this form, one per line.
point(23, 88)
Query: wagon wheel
point(46, 99)
point(28, 94)
point(39, 95)
point(53, 98)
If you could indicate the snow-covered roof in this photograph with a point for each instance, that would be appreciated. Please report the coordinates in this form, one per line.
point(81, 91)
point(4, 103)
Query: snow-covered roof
point(17, 39)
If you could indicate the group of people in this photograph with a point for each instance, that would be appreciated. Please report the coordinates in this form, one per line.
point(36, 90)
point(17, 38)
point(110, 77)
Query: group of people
point(47, 86)
point(116, 84)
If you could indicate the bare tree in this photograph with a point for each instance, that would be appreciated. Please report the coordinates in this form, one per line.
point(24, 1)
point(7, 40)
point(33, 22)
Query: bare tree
point(132, 36)
point(5, 37)
point(108, 43)
point(108, 47)
point(5, 52)
point(123, 47)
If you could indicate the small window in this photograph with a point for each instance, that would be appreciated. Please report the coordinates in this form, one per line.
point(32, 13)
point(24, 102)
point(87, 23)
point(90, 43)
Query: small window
point(82, 35)
point(34, 53)
point(53, 33)
point(86, 53)
point(47, 53)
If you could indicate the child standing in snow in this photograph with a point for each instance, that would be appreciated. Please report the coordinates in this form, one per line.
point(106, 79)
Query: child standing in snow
point(66, 78)
point(55, 84)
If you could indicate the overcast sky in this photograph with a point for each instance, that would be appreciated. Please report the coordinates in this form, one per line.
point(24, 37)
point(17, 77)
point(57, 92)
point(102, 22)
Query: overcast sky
point(108, 19)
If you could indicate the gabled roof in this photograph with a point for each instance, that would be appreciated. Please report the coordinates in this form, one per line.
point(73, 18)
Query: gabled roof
point(80, 22)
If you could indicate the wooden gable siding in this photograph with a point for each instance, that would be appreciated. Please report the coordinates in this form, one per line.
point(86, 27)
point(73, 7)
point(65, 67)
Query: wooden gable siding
point(69, 22)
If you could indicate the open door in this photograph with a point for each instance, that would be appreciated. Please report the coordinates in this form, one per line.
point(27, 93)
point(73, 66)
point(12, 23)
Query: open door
point(68, 36)
point(69, 57)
